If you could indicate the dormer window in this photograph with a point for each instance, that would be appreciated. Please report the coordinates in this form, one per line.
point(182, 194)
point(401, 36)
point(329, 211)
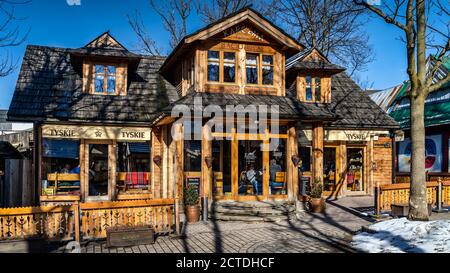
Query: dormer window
point(221, 66)
point(105, 79)
point(314, 89)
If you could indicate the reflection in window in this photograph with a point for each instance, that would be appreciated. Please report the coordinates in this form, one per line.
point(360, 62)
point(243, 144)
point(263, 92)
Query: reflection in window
point(252, 68)
point(317, 93)
point(229, 64)
point(192, 155)
point(267, 69)
point(61, 158)
point(133, 165)
point(308, 88)
point(305, 157)
point(277, 169)
point(105, 78)
point(213, 66)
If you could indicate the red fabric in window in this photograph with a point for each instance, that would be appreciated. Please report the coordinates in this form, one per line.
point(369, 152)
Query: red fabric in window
point(136, 178)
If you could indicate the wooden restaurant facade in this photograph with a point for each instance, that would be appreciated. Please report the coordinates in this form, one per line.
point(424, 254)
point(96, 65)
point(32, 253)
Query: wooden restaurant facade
point(105, 128)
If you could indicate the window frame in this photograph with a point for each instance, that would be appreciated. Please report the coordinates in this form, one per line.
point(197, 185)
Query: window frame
point(222, 66)
point(106, 75)
point(259, 68)
point(313, 88)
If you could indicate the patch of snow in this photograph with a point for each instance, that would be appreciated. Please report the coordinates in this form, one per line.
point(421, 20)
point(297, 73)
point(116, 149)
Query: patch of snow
point(402, 235)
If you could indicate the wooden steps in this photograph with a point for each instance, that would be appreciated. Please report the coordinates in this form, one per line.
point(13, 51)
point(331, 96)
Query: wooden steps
point(251, 211)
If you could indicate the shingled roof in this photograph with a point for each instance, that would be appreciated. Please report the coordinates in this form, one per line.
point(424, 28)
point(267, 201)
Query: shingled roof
point(288, 107)
point(49, 87)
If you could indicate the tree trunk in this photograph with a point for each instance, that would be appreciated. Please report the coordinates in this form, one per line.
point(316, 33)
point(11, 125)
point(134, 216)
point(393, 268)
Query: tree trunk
point(418, 209)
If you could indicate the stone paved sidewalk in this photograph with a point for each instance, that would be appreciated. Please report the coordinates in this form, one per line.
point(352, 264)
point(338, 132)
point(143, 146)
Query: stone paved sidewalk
point(330, 232)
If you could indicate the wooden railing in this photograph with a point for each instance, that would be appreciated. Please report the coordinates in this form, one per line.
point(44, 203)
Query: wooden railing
point(47, 222)
point(96, 217)
point(86, 220)
point(386, 195)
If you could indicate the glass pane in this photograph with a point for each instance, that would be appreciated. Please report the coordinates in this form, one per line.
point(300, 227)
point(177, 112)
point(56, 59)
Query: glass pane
point(305, 157)
point(111, 84)
point(252, 68)
point(267, 74)
point(277, 169)
point(192, 156)
point(355, 174)
point(308, 89)
point(250, 167)
point(99, 79)
point(229, 56)
point(229, 72)
point(329, 169)
point(213, 72)
point(267, 60)
point(133, 165)
point(213, 56)
point(317, 94)
point(221, 152)
point(63, 157)
point(111, 69)
point(99, 69)
point(98, 169)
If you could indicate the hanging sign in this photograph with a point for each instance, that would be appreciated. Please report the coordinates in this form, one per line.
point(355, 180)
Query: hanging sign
point(96, 132)
point(345, 135)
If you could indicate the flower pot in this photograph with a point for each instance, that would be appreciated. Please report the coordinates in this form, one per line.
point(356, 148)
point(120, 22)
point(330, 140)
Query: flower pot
point(317, 205)
point(192, 213)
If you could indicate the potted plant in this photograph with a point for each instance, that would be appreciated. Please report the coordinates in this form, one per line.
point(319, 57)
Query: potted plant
point(192, 208)
point(317, 203)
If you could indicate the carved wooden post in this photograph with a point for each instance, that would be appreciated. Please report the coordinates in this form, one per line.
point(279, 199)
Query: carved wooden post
point(76, 213)
point(292, 171)
point(206, 156)
point(156, 159)
point(317, 146)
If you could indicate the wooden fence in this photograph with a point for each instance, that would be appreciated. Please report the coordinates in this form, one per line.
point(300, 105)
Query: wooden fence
point(86, 220)
point(386, 195)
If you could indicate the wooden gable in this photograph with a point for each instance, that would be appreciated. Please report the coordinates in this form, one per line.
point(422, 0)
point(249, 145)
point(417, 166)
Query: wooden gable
point(245, 32)
point(315, 56)
point(106, 41)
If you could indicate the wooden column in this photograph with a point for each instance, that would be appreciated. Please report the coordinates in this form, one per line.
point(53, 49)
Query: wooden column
point(317, 147)
point(179, 160)
point(266, 164)
point(165, 160)
point(112, 162)
point(206, 152)
point(156, 170)
point(342, 157)
point(234, 165)
point(292, 171)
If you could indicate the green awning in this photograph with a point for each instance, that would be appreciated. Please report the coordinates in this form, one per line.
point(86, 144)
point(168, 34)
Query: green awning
point(435, 114)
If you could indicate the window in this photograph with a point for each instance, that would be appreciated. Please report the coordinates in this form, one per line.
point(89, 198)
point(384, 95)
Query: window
point(213, 66)
point(229, 67)
point(60, 167)
point(317, 93)
point(308, 88)
point(133, 165)
point(267, 69)
point(305, 157)
point(252, 68)
point(105, 79)
point(192, 156)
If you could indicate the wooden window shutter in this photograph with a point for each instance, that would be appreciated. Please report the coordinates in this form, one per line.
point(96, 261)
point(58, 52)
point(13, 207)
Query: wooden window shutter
point(121, 79)
point(325, 84)
point(88, 77)
point(301, 88)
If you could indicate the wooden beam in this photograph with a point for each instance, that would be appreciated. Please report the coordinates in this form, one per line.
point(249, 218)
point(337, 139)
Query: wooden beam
point(156, 170)
point(207, 172)
point(292, 171)
point(317, 147)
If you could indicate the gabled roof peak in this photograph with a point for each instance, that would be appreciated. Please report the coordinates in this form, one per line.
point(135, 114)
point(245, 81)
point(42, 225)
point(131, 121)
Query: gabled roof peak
point(105, 41)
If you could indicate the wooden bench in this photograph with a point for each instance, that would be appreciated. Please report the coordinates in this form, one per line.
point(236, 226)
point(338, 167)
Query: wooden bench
point(402, 209)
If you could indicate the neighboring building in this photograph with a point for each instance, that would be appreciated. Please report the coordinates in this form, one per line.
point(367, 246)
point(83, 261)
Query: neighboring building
point(103, 118)
point(396, 103)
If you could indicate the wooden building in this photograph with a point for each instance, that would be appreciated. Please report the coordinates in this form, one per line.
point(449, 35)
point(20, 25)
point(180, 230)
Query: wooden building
point(105, 126)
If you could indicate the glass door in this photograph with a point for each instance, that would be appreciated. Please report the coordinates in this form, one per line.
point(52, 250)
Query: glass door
point(355, 170)
point(250, 168)
point(98, 172)
point(221, 164)
point(329, 169)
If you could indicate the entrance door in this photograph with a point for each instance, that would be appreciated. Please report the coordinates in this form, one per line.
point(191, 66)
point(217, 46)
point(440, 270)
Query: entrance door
point(250, 168)
point(330, 176)
point(355, 170)
point(98, 173)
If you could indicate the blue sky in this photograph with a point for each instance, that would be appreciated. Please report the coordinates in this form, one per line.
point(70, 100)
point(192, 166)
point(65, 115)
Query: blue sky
point(55, 23)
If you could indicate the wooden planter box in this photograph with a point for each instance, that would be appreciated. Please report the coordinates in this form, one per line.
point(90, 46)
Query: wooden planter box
point(129, 236)
point(401, 210)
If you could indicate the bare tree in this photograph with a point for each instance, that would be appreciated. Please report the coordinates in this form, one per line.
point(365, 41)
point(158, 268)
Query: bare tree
point(334, 27)
point(211, 11)
point(412, 18)
point(10, 34)
point(147, 44)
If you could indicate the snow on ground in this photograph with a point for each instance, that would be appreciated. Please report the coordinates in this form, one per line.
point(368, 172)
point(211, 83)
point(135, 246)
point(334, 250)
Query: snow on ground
point(402, 235)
